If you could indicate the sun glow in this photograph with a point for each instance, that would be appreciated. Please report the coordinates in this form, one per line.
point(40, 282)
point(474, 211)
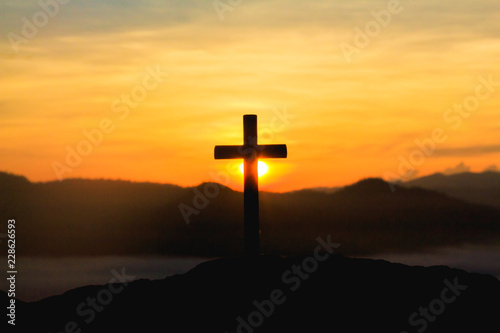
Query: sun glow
point(262, 166)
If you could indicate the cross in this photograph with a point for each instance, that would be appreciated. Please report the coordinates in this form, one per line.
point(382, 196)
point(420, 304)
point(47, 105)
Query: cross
point(250, 151)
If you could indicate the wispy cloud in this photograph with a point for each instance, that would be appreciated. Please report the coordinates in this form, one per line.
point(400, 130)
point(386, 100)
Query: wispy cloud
point(468, 151)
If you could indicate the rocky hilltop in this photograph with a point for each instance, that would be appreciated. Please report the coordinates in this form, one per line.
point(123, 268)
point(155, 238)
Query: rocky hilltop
point(314, 293)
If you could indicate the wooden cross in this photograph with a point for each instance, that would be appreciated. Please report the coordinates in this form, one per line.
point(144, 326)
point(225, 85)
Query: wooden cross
point(250, 151)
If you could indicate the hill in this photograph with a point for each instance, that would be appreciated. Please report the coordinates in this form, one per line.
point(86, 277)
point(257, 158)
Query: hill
point(273, 294)
point(104, 217)
point(481, 188)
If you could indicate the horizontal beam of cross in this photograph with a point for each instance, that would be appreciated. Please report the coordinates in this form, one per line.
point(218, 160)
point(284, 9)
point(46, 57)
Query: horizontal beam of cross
point(250, 152)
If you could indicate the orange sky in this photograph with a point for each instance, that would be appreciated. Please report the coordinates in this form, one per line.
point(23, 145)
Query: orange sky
point(168, 80)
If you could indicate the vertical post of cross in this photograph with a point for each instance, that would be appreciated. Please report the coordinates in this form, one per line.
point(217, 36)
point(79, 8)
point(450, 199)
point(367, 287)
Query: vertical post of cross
point(251, 188)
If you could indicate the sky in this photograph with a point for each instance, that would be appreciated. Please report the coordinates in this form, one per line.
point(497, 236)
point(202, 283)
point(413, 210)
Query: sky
point(144, 90)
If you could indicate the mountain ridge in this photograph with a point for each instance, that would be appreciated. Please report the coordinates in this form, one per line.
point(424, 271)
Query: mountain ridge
point(110, 217)
point(480, 188)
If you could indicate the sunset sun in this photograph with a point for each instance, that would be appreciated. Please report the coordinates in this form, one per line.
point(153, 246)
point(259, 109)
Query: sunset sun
point(263, 168)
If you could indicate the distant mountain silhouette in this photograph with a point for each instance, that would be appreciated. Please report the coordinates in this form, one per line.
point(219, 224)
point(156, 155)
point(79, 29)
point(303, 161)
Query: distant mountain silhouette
point(327, 190)
point(106, 217)
point(273, 294)
point(366, 186)
point(482, 188)
point(12, 181)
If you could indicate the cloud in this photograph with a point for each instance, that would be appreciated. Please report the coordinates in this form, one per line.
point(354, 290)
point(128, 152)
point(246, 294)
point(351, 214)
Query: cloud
point(460, 168)
point(468, 151)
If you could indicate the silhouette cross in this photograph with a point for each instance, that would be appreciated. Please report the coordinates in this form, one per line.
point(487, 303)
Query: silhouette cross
point(250, 151)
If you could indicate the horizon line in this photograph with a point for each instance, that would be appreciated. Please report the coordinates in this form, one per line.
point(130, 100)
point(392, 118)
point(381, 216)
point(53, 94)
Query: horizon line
point(236, 190)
